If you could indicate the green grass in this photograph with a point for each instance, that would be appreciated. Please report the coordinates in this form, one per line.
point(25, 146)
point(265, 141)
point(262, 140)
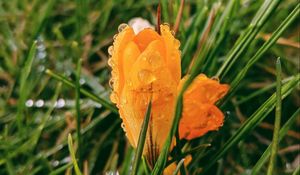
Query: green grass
point(56, 116)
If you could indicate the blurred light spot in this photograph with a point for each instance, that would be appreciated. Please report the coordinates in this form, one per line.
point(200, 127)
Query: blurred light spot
point(39, 103)
point(29, 103)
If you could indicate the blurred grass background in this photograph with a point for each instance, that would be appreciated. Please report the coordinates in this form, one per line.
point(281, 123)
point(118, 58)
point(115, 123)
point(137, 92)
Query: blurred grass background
point(37, 111)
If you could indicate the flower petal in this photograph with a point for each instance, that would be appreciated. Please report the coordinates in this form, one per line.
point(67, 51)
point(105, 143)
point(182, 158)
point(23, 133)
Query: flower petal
point(198, 119)
point(145, 37)
point(130, 55)
point(172, 52)
point(206, 90)
point(200, 115)
point(116, 61)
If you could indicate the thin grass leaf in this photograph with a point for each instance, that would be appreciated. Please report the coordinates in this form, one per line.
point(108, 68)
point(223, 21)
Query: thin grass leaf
point(266, 46)
point(34, 139)
point(39, 26)
point(24, 84)
point(218, 34)
point(61, 169)
point(261, 91)
point(92, 96)
point(125, 169)
point(275, 140)
point(81, 12)
point(191, 34)
point(72, 154)
point(245, 39)
point(77, 106)
point(141, 140)
point(297, 171)
point(180, 163)
point(256, 118)
point(178, 17)
point(283, 131)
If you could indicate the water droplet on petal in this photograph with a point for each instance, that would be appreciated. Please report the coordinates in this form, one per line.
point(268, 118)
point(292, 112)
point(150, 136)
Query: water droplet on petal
point(215, 78)
point(115, 36)
point(123, 126)
point(110, 50)
point(176, 43)
point(113, 97)
point(166, 24)
point(172, 32)
point(110, 62)
point(130, 84)
point(111, 83)
point(124, 100)
point(155, 60)
point(146, 76)
point(122, 27)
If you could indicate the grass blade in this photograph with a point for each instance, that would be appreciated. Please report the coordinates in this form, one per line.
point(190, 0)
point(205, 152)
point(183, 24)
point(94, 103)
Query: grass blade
point(78, 122)
point(24, 83)
point(275, 141)
point(141, 141)
point(267, 45)
point(180, 163)
point(297, 171)
point(72, 153)
point(245, 39)
point(256, 118)
point(263, 159)
point(92, 96)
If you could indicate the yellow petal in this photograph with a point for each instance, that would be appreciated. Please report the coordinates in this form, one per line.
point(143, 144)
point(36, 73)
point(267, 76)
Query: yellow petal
point(130, 55)
point(116, 60)
point(145, 37)
point(172, 52)
point(200, 115)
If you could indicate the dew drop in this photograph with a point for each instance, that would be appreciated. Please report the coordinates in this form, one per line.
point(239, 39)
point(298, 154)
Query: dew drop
point(115, 37)
point(215, 78)
point(111, 83)
point(39, 103)
point(60, 103)
point(110, 62)
point(123, 126)
point(176, 43)
point(166, 24)
point(81, 81)
point(146, 76)
point(122, 27)
point(172, 32)
point(113, 97)
point(110, 50)
point(124, 100)
point(155, 60)
point(29, 103)
point(130, 84)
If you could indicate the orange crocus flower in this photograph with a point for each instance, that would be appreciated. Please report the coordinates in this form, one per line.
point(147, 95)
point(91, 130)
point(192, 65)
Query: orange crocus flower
point(147, 65)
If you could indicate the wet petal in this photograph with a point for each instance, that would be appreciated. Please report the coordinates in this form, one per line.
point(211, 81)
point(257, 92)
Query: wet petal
point(206, 90)
point(116, 60)
point(172, 52)
point(145, 37)
point(198, 119)
point(130, 55)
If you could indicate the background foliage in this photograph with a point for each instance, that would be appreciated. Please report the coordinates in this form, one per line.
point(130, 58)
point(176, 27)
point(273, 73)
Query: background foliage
point(39, 87)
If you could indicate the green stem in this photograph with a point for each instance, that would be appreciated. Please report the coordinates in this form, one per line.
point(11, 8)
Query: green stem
point(275, 141)
point(141, 141)
point(78, 70)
